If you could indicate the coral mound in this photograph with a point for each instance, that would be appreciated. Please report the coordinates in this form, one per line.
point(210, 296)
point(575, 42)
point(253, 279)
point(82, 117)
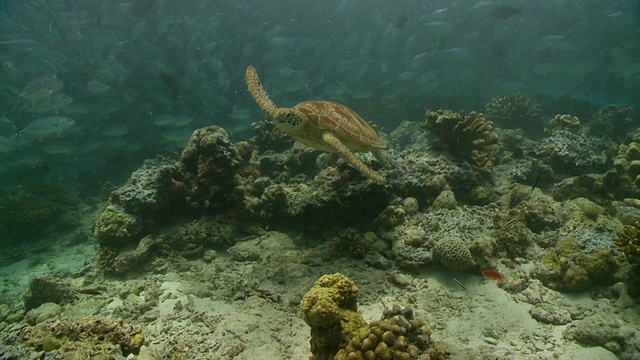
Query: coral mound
point(396, 336)
point(470, 136)
point(515, 111)
point(330, 308)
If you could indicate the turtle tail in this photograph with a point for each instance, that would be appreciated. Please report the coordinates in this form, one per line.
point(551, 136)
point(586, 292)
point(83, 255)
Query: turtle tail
point(257, 91)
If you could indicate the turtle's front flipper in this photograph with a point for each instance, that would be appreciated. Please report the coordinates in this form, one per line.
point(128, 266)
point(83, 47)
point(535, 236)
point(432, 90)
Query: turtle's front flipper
point(258, 92)
point(349, 157)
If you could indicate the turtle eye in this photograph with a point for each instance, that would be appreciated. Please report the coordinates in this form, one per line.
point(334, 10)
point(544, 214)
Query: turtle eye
point(292, 119)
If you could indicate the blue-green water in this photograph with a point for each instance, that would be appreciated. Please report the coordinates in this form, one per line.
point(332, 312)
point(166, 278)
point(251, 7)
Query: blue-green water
point(124, 63)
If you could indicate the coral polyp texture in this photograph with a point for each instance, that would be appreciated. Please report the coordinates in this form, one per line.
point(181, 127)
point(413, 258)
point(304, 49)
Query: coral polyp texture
point(627, 240)
point(468, 135)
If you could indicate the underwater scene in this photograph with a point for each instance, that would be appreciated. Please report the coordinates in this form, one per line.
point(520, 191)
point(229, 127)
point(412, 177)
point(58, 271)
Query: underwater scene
point(325, 180)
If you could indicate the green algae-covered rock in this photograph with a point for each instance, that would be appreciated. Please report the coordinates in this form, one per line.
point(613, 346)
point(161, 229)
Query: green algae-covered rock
point(114, 226)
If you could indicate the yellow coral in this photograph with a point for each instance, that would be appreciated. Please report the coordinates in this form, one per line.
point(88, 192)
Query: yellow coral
point(330, 308)
point(115, 226)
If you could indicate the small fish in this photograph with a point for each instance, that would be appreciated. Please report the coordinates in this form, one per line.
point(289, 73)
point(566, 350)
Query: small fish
point(508, 223)
point(39, 88)
point(168, 120)
point(482, 4)
point(47, 126)
point(493, 275)
point(50, 104)
point(460, 284)
point(97, 87)
point(439, 11)
point(20, 42)
point(503, 12)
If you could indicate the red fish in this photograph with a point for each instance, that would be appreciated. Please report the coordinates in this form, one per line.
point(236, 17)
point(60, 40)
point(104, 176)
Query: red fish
point(493, 275)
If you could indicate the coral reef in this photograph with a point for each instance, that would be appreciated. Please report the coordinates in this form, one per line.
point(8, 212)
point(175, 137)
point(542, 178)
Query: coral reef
point(83, 338)
point(33, 211)
point(614, 122)
point(396, 336)
point(211, 164)
point(470, 136)
point(212, 173)
point(268, 137)
point(570, 265)
point(516, 111)
point(135, 208)
point(330, 308)
point(572, 154)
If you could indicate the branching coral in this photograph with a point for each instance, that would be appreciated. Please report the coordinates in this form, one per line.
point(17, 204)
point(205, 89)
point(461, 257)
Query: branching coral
point(470, 136)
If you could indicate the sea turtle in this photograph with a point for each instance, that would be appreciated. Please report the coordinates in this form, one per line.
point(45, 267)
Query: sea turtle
point(323, 125)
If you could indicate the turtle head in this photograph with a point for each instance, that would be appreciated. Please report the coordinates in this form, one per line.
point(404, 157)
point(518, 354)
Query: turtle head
point(290, 121)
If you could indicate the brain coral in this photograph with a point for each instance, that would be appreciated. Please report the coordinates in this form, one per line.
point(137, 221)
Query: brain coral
point(453, 253)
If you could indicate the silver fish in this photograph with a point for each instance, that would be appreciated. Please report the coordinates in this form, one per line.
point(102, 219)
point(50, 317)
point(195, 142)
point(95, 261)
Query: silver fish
point(168, 120)
point(47, 126)
point(49, 104)
point(41, 87)
point(97, 87)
